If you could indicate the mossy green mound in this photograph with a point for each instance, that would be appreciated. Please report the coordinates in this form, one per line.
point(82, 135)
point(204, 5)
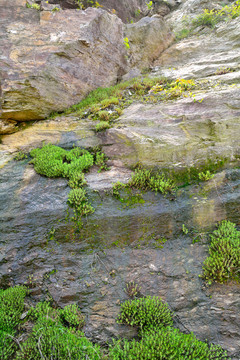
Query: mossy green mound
point(223, 262)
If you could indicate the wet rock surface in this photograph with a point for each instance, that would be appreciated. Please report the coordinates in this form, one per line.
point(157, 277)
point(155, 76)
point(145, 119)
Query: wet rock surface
point(132, 240)
point(119, 243)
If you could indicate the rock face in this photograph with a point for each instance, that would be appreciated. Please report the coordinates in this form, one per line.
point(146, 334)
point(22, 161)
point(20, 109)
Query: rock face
point(50, 60)
point(204, 55)
point(121, 241)
point(188, 9)
point(180, 132)
point(127, 10)
point(148, 38)
point(118, 244)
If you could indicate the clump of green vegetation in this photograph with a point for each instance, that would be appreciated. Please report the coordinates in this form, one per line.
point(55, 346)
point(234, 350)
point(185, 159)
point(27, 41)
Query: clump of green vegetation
point(223, 70)
point(73, 316)
point(182, 34)
point(55, 333)
point(102, 125)
point(101, 161)
point(158, 338)
point(118, 186)
point(145, 313)
point(33, 6)
point(108, 102)
point(54, 161)
point(20, 156)
point(146, 180)
point(114, 98)
point(11, 308)
point(205, 176)
point(51, 339)
point(190, 175)
point(77, 199)
point(104, 115)
point(210, 18)
point(83, 4)
point(132, 289)
point(165, 343)
point(173, 89)
point(223, 262)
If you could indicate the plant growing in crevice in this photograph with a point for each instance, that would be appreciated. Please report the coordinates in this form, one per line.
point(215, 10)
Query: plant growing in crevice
point(145, 313)
point(78, 200)
point(102, 125)
point(205, 176)
point(132, 289)
point(223, 262)
point(72, 315)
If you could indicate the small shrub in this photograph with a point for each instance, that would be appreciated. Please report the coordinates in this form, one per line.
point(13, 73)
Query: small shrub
point(140, 179)
point(104, 115)
point(208, 18)
point(185, 229)
point(20, 156)
point(53, 161)
point(101, 161)
point(102, 125)
point(119, 111)
point(44, 310)
point(132, 289)
point(126, 43)
point(116, 188)
point(223, 262)
point(223, 70)
point(205, 176)
point(71, 314)
point(77, 180)
point(145, 313)
point(78, 200)
point(33, 6)
point(182, 34)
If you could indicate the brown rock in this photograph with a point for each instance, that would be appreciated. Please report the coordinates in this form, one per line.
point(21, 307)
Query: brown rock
point(148, 38)
point(50, 60)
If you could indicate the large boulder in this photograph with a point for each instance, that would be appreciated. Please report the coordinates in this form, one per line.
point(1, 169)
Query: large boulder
point(51, 60)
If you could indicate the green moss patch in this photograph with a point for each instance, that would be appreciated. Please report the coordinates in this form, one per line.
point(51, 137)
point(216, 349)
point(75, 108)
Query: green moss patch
point(223, 262)
point(53, 161)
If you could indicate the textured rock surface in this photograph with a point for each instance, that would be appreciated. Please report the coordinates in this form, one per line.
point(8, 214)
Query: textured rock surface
point(120, 238)
point(180, 132)
point(50, 60)
point(120, 242)
point(201, 56)
point(148, 38)
point(189, 9)
point(127, 10)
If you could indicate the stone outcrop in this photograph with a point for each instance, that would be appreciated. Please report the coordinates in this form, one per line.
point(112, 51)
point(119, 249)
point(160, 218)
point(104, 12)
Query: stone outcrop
point(127, 10)
point(148, 38)
point(51, 60)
